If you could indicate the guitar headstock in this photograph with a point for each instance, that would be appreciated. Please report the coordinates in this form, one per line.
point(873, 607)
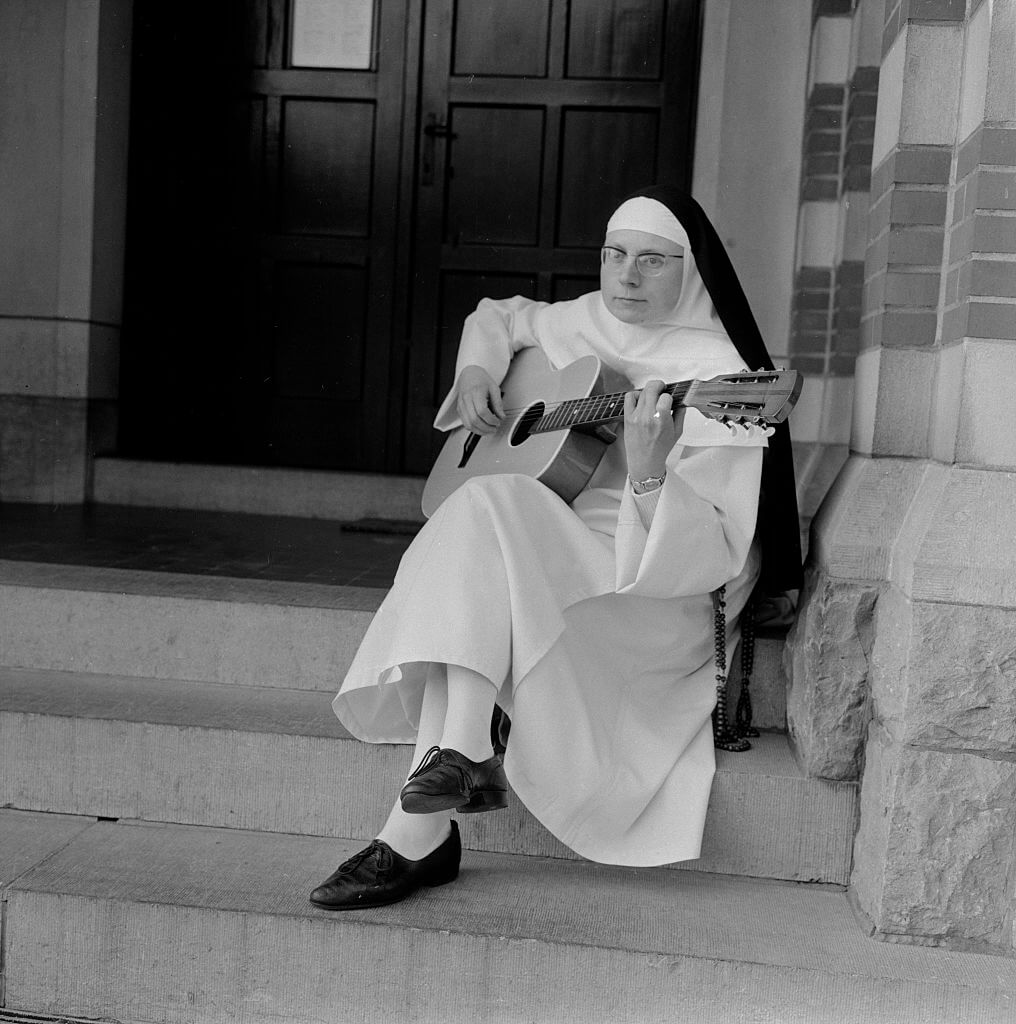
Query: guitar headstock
point(763, 398)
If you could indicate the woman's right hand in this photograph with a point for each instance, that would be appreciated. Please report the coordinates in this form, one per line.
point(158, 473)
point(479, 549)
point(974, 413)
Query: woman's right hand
point(478, 401)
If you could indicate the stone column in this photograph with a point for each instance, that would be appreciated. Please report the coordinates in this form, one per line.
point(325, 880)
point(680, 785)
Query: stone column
point(63, 161)
point(904, 656)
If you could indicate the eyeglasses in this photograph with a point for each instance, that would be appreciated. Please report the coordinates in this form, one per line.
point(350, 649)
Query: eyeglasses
point(650, 264)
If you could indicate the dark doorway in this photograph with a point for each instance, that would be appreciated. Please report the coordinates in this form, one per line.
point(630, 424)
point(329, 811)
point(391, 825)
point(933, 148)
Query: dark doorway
point(320, 190)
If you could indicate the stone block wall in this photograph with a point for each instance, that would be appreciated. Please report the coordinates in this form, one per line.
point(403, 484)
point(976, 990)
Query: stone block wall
point(936, 847)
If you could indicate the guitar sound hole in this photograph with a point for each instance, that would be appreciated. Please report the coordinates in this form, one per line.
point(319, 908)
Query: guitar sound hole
point(525, 424)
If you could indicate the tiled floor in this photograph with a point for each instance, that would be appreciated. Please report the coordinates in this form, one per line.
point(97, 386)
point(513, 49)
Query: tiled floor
point(207, 543)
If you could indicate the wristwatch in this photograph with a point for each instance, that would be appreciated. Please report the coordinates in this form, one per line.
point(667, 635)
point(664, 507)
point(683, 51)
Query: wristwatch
point(650, 483)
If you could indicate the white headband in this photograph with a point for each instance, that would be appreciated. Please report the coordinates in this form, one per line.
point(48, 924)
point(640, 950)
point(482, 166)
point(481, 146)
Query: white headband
point(649, 215)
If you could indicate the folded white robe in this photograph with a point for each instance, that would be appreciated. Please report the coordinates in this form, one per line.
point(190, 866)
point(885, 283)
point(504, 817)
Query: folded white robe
point(595, 619)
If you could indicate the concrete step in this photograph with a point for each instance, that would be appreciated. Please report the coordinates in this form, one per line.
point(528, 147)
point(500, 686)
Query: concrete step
point(263, 490)
point(181, 626)
point(223, 630)
point(178, 924)
point(278, 760)
point(323, 494)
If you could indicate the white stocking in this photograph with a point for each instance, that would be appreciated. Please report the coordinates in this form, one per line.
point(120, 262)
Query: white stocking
point(470, 707)
point(416, 835)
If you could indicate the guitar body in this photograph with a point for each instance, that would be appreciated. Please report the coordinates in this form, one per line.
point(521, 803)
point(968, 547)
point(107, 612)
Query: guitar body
point(563, 460)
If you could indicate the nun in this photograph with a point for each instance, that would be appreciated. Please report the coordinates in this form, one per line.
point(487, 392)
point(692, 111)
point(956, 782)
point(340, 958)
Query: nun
point(591, 624)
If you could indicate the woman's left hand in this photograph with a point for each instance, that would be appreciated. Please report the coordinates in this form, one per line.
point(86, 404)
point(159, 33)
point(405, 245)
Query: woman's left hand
point(650, 431)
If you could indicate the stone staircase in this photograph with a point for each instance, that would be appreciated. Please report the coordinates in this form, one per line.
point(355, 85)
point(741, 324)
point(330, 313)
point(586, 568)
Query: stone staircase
point(173, 783)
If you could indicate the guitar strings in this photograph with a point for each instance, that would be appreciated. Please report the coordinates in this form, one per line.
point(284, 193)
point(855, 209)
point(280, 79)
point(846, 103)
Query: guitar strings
point(582, 405)
point(586, 404)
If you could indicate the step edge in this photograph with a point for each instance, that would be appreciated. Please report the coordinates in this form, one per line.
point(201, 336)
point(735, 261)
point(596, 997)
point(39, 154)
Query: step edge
point(152, 688)
point(255, 489)
point(63, 577)
point(959, 961)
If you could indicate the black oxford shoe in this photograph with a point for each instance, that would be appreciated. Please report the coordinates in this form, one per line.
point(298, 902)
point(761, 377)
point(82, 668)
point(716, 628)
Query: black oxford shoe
point(378, 875)
point(446, 780)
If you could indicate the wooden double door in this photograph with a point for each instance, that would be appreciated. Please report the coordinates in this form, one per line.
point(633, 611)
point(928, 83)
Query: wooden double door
point(321, 190)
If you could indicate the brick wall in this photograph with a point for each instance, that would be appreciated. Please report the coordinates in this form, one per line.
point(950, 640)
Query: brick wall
point(838, 142)
point(980, 293)
point(906, 228)
point(899, 12)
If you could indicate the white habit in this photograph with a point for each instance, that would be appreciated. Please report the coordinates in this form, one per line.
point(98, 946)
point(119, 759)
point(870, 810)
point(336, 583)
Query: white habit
point(595, 619)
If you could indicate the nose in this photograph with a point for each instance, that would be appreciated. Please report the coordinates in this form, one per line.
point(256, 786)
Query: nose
point(629, 274)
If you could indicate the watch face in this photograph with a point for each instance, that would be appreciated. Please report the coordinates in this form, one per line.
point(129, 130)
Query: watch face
point(650, 483)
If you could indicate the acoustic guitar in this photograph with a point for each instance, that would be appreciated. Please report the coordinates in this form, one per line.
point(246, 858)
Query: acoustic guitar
point(556, 424)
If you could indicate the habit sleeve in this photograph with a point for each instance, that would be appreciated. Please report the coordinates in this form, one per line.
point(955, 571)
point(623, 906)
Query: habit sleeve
point(491, 335)
point(703, 524)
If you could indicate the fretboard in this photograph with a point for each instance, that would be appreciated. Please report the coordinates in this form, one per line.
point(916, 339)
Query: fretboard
point(579, 412)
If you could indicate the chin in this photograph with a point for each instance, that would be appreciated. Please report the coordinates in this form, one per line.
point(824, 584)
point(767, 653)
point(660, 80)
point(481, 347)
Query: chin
point(627, 314)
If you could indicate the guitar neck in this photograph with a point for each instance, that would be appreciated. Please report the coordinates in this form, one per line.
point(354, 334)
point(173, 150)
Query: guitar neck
point(580, 412)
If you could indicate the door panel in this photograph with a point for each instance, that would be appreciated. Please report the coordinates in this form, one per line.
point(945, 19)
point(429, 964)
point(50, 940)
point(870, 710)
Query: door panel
point(616, 39)
point(320, 312)
point(483, 170)
point(605, 154)
point(497, 38)
point(326, 159)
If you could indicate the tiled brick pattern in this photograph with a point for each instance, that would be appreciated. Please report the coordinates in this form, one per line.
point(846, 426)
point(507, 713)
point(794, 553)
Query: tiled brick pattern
point(827, 319)
point(838, 139)
point(906, 230)
point(823, 142)
point(812, 320)
point(980, 293)
point(824, 8)
point(899, 12)
point(861, 103)
point(846, 325)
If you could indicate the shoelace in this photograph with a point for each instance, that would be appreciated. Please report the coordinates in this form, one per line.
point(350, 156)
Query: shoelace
point(436, 756)
point(384, 860)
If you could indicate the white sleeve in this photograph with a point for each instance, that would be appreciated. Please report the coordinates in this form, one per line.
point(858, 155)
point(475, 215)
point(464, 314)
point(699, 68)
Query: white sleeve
point(699, 534)
point(491, 335)
point(646, 504)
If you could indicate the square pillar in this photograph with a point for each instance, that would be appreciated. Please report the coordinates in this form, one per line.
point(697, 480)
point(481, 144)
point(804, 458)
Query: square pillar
point(63, 179)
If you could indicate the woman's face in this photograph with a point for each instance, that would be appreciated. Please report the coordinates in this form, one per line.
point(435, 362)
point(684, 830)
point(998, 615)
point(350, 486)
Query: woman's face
point(628, 293)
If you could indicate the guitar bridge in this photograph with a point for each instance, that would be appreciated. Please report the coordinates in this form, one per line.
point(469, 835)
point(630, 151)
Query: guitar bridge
point(467, 449)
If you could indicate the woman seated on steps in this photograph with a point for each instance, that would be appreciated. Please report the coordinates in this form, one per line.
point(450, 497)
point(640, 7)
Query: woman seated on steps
point(590, 624)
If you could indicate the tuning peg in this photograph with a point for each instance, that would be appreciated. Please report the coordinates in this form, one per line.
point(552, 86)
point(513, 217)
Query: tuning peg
point(759, 421)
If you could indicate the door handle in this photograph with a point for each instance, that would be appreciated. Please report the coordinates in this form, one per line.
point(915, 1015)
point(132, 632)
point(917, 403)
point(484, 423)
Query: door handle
point(436, 130)
point(432, 130)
